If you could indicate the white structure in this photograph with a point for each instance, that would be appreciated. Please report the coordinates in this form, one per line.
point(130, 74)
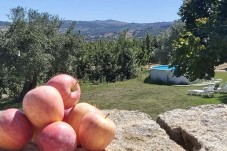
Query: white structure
point(164, 74)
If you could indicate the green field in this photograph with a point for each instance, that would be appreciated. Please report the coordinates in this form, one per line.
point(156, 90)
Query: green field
point(136, 95)
point(149, 98)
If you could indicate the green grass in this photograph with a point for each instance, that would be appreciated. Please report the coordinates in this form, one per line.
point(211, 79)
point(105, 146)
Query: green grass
point(136, 95)
point(149, 98)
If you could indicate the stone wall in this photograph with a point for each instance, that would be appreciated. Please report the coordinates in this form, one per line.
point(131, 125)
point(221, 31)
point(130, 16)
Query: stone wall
point(202, 128)
point(136, 131)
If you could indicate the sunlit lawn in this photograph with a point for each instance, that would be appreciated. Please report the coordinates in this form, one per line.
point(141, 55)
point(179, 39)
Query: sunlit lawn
point(149, 98)
point(136, 95)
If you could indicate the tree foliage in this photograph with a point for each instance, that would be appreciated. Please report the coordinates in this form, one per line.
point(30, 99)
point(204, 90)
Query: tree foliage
point(24, 45)
point(194, 56)
point(164, 45)
point(28, 48)
point(33, 49)
point(201, 45)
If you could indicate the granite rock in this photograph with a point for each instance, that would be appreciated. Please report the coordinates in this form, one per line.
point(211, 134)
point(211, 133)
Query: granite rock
point(202, 128)
point(136, 131)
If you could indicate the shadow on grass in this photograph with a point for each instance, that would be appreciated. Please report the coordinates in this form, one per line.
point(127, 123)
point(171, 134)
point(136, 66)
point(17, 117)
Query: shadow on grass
point(148, 80)
point(223, 98)
point(159, 82)
point(9, 103)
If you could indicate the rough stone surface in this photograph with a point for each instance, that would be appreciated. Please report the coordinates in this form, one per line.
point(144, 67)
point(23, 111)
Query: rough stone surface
point(202, 128)
point(135, 132)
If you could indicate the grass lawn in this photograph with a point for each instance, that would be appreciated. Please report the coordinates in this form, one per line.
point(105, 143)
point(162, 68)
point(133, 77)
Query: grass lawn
point(136, 95)
point(149, 98)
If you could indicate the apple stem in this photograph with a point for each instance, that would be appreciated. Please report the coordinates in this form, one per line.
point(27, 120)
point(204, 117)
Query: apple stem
point(73, 88)
point(107, 115)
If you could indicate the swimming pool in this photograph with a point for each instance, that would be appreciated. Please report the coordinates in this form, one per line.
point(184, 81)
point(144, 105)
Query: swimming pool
point(163, 74)
point(163, 67)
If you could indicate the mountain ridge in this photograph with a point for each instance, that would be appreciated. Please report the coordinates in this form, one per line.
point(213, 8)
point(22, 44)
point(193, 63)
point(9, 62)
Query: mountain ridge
point(111, 28)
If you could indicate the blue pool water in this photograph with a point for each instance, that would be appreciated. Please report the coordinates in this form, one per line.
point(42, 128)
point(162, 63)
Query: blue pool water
point(163, 67)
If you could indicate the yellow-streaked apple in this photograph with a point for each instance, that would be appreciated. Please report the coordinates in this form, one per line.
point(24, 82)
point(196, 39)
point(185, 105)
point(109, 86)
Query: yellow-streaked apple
point(96, 131)
point(77, 113)
point(43, 105)
point(69, 88)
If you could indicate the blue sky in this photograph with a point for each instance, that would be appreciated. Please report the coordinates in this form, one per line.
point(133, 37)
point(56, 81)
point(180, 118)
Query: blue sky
point(138, 11)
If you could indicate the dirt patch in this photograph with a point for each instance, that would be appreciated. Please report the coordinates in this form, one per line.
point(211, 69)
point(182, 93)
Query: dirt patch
point(221, 68)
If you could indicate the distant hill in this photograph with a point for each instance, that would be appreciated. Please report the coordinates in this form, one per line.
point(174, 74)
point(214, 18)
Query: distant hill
point(3, 24)
point(111, 28)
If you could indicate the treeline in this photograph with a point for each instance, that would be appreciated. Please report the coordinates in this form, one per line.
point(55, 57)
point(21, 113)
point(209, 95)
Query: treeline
point(32, 50)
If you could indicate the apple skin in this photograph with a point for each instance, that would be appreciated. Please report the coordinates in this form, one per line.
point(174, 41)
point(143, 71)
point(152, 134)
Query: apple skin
point(15, 129)
point(43, 105)
point(57, 136)
point(66, 114)
point(68, 87)
point(36, 131)
point(77, 113)
point(96, 131)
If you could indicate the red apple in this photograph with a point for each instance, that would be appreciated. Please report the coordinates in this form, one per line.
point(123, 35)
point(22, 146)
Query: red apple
point(43, 105)
point(15, 129)
point(68, 87)
point(36, 131)
point(77, 113)
point(57, 136)
point(96, 131)
point(66, 114)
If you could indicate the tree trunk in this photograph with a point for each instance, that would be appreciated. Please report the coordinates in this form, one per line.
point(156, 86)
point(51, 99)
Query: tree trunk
point(28, 85)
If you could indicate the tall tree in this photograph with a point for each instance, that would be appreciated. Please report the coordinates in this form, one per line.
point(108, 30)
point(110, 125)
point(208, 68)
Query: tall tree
point(125, 57)
point(26, 47)
point(199, 56)
point(191, 10)
point(218, 35)
point(163, 52)
point(145, 54)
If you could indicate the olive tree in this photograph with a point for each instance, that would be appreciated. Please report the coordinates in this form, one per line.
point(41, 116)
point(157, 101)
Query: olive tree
point(26, 47)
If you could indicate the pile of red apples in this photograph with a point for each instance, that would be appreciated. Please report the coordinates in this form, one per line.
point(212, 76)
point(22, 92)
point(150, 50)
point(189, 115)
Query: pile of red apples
point(54, 119)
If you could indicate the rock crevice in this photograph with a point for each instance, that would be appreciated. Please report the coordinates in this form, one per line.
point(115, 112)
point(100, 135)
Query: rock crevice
point(201, 128)
point(136, 131)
